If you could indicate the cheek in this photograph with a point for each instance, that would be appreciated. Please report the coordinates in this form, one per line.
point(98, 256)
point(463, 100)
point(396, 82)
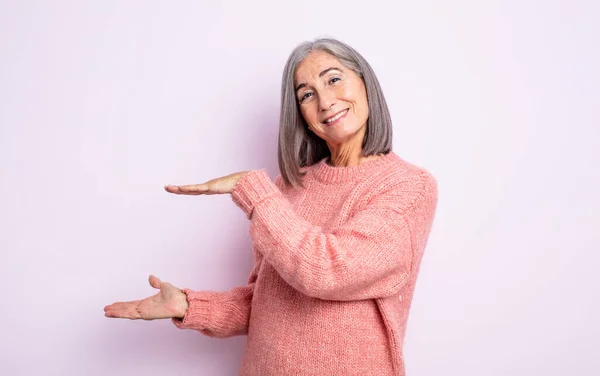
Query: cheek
point(359, 101)
point(365, 108)
point(309, 115)
point(363, 103)
point(355, 95)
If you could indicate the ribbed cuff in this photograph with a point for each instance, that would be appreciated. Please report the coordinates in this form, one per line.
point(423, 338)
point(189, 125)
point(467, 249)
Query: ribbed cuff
point(196, 316)
point(253, 188)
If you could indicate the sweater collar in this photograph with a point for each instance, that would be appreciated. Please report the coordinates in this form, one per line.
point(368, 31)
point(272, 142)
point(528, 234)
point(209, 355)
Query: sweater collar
point(330, 174)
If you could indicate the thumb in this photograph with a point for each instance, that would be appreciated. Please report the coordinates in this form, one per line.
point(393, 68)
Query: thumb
point(155, 282)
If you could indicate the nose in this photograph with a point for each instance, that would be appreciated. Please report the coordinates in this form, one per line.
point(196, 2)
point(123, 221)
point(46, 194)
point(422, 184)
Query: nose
point(326, 100)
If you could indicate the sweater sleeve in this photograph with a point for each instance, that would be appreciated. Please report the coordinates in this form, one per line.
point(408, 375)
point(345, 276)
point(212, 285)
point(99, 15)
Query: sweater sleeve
point(220, 314)
point(369, 256)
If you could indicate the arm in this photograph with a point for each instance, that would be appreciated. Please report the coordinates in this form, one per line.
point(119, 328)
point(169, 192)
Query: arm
point(220, 314)
point(369, 256)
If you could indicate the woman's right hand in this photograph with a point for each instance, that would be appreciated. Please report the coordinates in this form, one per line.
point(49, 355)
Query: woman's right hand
point(170, 302)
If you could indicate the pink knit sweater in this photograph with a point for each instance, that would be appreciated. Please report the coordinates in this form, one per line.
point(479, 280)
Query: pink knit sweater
point(334, 272)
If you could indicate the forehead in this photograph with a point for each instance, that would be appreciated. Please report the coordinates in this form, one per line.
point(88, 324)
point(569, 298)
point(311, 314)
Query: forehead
point(315, 63)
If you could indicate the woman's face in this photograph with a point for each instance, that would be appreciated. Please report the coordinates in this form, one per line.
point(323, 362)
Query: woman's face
point(332, 98)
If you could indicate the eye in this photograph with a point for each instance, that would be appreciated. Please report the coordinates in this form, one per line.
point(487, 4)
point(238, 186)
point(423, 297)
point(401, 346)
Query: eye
point(333, 80)
point(306, 95)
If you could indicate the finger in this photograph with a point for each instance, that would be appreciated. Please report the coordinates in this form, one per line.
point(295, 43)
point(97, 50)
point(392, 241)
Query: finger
point(118, 313)
point(130, 313)
point(133, 314)
point(121, 306)
point(195, 189)
point(155, 282)
point(124, 310)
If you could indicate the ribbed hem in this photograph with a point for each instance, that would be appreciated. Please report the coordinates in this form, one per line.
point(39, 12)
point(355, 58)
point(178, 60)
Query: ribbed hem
point(196, 316)
point(330, 174)
point(252, 189)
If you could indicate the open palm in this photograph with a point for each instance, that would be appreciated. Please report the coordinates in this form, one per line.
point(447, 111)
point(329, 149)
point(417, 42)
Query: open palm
point(169, 302)
point(216, 186)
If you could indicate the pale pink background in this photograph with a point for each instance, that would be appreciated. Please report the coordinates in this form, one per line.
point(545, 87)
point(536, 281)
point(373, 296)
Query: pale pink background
point(104, 102)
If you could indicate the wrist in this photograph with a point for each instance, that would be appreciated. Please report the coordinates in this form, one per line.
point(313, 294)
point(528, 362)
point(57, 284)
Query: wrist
point(182, 305)
point(239, 176)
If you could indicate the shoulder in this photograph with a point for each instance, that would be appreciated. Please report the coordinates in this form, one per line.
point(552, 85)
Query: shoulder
point(407, 177)
point(403, 185)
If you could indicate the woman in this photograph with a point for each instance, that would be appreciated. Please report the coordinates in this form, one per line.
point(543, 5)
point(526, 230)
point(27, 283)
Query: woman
point(338, 238)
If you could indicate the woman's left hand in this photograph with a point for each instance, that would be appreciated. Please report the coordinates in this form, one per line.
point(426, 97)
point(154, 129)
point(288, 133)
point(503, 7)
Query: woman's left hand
point(216, 186)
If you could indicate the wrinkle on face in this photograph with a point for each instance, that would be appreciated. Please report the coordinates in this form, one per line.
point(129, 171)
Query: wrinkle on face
point(324, 88)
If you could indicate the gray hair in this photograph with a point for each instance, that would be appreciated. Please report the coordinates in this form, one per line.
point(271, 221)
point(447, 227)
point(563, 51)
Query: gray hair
point(297, 146)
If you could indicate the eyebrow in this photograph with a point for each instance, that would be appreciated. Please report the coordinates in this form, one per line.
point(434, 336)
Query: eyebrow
point(323, 72)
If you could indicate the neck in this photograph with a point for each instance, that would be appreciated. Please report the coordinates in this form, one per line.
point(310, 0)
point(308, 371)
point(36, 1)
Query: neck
point(343, 159)
point(349, 153)
point(326, 173)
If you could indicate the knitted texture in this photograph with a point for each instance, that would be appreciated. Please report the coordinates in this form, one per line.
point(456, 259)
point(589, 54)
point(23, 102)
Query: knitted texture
point(335, 266)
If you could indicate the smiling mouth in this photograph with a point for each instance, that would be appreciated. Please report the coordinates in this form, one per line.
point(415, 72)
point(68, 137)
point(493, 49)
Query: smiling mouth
point(335, 117)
